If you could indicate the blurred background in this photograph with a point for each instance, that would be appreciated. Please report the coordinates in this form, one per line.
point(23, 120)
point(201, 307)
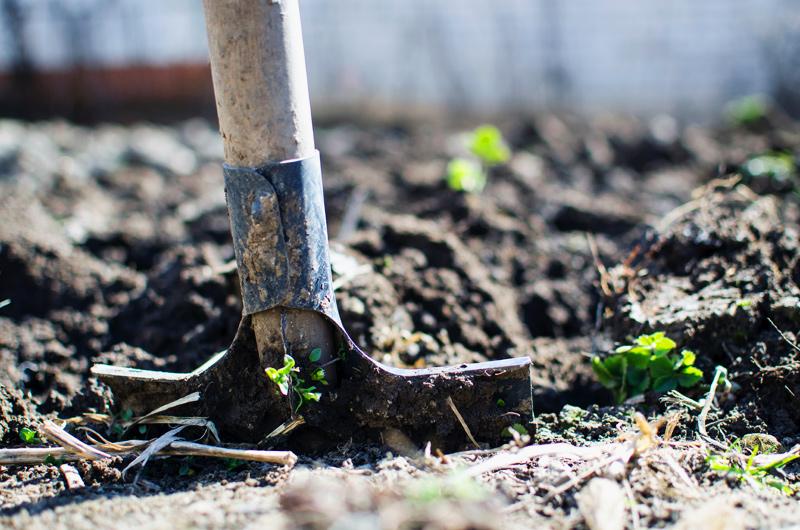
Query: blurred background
point(124, 60)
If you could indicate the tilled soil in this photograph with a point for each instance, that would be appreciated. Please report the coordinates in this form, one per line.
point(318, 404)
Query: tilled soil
point(115, 248)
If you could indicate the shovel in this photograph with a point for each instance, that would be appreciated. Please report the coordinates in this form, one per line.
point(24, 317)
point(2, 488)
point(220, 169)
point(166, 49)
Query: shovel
point(291, 361)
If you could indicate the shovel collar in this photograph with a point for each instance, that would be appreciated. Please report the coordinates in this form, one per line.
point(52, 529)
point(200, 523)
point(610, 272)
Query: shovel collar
point(280, 236)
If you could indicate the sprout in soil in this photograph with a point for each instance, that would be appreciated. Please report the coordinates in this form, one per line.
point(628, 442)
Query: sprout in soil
point(731, 463)
point(646, 365)
point(748, 109)
point(487, 147)
point(287, 377)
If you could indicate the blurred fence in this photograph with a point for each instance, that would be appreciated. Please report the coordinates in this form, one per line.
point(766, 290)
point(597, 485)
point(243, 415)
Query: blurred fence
point(645, 56)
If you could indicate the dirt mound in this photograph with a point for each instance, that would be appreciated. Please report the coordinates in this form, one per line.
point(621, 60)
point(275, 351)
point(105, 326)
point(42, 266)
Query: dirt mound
point(722, 280)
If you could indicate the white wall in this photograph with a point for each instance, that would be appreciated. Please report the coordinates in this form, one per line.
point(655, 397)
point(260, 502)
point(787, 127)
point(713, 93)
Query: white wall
point(680, 56)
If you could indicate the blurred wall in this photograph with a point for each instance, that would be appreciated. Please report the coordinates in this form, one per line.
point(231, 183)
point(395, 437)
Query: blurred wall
point(396, 56)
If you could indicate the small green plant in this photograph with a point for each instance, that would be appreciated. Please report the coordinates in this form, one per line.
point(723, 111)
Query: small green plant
point(465, 175)
point(517, 427)
point(778, 165)
point(748, 109)
point(53, 461)
point(124, 416)
point(287, 377)
point(729, 463)
point(646, 365)
point(29, 436)
point(486, 144)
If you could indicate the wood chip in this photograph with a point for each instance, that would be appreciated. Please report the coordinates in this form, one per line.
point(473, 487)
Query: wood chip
point(72, 477)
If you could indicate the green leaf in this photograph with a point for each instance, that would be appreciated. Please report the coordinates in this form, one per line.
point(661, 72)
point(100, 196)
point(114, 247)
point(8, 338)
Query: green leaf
point(50, 459)
point(660, 367)
point(687, 358)
point(142, 429)
point(664, 383)
point(501, 403)
point(312, 396)
point(616, 365)
point(27, 435)
point(638, 357)
point(689, 376)
point(486, 142)
point(465, 175)
point(637, 380)
point(603, 374)
point(288, 363)
point(126, 415)
point(650, 340)
point(517, 427)
point(283, 386)
point(663, 346)
point(315, 355)
point(318, 374)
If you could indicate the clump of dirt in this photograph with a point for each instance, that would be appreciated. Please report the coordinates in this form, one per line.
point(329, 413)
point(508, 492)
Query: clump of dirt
point(722, 281)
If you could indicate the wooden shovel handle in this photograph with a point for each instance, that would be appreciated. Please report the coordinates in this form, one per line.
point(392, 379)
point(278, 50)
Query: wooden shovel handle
point(259, 72)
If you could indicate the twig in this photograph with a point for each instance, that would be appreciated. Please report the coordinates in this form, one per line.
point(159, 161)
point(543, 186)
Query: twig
point(461, 421)
point(38, 455)
point(635, 521)
point(604, 276)
point(671, 424)
point(286, 458)
point(701, 419)
point(792, 344)
point(56, 434)
point(530, 452)
point(152, 448)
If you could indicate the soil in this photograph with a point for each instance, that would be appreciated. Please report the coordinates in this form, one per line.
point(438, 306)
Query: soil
point(115, 248)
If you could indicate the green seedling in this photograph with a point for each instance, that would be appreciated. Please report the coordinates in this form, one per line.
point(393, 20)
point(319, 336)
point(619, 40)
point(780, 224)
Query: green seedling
point(517, 427)
point(646, 365)
point(287, 377)
point(750, 471)
point(747, 110)
point(778, 165)
point(486, 144)
point(29, 436)
point(53, 461)
point(465, 175)
point(124, 416)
